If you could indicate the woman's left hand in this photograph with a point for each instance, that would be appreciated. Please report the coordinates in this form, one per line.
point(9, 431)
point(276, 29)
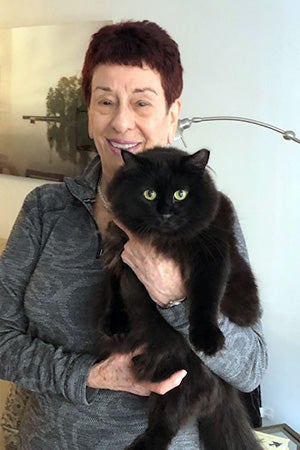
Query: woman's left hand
point(160, 275)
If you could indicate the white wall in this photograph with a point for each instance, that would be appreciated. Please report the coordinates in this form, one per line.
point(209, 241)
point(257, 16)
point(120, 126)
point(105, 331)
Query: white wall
point(240, 58)
point(12, 192)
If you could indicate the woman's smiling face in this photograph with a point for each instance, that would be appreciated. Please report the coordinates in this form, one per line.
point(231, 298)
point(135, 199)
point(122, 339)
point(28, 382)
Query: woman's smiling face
point(128, 110)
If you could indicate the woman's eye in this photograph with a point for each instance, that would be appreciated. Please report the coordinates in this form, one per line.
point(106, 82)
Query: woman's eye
point(180, 194)
point(106, 102)
point(150, 194)
point(142, 103)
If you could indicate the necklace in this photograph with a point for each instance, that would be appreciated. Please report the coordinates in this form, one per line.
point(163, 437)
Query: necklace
point(103, 198)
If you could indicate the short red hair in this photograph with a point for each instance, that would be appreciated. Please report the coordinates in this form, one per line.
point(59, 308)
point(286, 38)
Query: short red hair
point(134, 44)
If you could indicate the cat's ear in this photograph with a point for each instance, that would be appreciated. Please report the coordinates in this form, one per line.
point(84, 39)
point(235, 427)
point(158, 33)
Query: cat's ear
point(129, 159)
point(199, 159)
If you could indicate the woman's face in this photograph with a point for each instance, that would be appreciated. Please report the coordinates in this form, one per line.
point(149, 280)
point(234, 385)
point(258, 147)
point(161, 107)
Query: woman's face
point(128, 111)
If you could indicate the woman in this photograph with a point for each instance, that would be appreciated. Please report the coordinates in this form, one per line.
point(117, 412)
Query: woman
point(51, 269)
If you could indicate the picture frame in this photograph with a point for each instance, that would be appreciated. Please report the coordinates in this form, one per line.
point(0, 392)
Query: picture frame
point(43, 115)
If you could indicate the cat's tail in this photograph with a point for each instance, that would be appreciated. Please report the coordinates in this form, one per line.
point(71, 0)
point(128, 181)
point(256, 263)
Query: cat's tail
point(228, 428)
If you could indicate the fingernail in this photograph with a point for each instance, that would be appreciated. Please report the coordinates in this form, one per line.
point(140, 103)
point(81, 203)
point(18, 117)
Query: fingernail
point(181, 377)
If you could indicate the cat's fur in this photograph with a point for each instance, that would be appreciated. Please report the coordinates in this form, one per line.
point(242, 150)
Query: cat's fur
point(198, 234)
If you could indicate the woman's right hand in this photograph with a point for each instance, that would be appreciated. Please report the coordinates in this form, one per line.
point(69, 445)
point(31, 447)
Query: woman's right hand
point(116, 373)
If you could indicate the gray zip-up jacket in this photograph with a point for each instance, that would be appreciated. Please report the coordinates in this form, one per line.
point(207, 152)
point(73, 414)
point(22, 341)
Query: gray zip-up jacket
point(50, 279)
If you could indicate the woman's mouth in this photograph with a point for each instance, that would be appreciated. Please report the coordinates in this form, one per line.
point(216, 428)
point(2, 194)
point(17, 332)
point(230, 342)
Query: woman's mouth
point(118, 145)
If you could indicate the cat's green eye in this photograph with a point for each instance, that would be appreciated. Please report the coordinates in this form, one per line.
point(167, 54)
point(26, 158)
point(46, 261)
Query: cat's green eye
point(180, 194)
point(150, 194)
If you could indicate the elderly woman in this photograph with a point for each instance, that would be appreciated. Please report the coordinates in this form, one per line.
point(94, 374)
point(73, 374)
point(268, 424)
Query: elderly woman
point(51, 270)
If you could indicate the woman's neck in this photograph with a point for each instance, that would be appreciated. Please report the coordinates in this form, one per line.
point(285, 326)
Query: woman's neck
point(102, 215)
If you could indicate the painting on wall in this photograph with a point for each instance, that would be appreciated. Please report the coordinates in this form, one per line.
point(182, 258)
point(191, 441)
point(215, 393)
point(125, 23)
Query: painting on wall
point(43, 116)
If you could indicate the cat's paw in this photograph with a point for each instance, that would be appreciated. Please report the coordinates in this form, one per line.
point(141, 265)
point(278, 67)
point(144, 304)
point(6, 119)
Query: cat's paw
point(208, 338)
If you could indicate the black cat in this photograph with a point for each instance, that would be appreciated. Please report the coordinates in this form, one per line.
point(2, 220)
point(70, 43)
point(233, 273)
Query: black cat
point(167, 197)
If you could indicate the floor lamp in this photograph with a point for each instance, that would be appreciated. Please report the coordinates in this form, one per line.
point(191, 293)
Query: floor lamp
point(184, 124)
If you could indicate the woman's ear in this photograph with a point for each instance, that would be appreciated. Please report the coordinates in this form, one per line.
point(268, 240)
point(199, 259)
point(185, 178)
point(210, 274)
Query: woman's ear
point(174, 112)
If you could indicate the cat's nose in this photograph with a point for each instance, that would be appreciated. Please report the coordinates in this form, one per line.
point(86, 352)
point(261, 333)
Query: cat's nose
point(166, 216)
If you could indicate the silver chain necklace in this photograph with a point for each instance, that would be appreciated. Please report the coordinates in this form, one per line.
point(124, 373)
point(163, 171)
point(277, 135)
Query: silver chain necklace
point(103, 199)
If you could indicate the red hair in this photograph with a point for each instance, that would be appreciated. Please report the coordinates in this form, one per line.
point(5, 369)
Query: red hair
point(134, 44)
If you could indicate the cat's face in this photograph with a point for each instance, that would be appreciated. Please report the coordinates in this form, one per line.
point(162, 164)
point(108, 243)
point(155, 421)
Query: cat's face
point(163, 191)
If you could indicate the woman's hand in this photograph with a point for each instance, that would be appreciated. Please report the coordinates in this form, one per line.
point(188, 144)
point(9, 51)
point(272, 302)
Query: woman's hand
point(160, 275)
point(116, 373)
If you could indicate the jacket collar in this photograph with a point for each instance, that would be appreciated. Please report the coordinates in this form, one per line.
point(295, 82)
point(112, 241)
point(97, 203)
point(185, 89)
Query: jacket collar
point(84, 186)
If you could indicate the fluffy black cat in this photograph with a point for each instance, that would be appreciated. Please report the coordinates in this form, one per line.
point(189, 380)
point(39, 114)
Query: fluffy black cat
point(167, 197)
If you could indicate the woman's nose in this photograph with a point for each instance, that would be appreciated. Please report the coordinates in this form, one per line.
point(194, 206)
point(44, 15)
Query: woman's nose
point(123, 119)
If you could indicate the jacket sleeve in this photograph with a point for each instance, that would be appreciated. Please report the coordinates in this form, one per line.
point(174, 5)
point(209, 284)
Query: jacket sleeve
point(24, 359)
point(244, 358)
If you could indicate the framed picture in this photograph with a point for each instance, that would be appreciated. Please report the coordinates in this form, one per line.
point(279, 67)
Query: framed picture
point(43, 116)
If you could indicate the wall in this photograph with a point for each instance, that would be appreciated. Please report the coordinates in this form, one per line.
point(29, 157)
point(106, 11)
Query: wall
point(240, 58)
point(12, 192)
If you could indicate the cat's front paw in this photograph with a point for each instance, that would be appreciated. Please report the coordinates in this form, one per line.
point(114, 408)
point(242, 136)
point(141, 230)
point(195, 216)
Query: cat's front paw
point(208, 338)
